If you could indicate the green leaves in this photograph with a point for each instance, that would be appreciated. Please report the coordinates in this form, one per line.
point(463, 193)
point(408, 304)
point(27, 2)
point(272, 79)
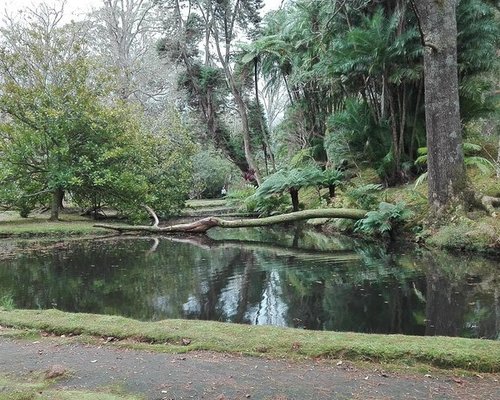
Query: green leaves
point(385, 219)
point(66, 133)
point(285, 180)
point(365, 196)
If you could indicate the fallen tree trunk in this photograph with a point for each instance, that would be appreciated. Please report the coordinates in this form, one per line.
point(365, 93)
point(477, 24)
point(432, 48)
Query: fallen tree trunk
point(203, 225)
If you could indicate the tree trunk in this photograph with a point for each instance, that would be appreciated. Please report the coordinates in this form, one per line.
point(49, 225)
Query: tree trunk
point(267, 148)
point(57, 197)
point(331, 191)
point(438, 27)
point(498, 159)
point(242, 110)
point(294, 194)
point(203, 225)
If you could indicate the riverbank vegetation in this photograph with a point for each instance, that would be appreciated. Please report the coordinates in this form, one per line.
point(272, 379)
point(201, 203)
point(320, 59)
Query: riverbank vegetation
point(315, 105)
point(347, 112)
point(185, 335)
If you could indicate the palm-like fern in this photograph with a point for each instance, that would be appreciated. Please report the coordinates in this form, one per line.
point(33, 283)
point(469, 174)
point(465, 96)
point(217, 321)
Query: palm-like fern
point(471, 159)
point(294, 179)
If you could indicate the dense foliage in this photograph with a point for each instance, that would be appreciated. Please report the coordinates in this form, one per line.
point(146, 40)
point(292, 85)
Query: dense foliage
point(90, 113)
point(63, 134)
point(353, 73)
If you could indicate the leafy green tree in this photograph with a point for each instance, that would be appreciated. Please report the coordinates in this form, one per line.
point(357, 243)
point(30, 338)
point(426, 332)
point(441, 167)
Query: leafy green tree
point(63, 133)
point(55, 143)
point(211, 172)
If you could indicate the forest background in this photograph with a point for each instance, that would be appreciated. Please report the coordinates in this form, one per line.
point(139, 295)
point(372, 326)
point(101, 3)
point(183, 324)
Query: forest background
point(152, 103)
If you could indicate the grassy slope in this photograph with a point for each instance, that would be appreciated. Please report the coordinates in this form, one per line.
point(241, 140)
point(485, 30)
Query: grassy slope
point(445, 352)
point(469, 230)
point(12, 225)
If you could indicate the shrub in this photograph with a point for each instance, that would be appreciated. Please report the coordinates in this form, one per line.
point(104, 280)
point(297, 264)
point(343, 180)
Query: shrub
point(210, 173)
point(384, 220)
point(365, 196)
point(7, 303)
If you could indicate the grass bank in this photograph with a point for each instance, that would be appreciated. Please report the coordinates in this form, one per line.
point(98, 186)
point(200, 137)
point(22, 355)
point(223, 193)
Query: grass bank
point(187, 335)
point(11, 225)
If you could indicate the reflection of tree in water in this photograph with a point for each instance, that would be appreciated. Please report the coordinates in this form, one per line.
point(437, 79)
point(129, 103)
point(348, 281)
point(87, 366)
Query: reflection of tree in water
point(243, 293)
point(314, 286)
point(461, 296)
point(271, 310)
point(367, 298)
point(233, 285)
point(445, 306)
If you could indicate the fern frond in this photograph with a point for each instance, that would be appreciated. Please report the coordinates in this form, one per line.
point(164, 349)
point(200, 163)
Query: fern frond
point(421, 179)
point(482, 164)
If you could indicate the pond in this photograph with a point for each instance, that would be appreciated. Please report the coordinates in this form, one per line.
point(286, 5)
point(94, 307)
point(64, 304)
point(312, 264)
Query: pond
point(289, 278)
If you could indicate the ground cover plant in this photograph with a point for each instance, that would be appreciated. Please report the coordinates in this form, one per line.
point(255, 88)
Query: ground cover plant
point(185, 335)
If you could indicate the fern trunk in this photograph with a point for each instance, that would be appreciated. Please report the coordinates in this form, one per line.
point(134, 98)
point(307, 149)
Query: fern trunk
point(294, 194)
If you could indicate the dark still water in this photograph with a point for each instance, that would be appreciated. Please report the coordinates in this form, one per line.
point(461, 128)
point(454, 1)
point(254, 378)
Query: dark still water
point(297, 279)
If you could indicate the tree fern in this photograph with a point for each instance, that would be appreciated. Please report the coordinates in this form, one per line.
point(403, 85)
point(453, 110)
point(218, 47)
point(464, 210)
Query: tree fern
point(384, 219)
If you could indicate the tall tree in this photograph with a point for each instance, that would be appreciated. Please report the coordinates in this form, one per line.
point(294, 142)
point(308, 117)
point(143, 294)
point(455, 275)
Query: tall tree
point(228, 17)
point(438, 23)
point(126, 30)
point(38, 56)
point(214, 27)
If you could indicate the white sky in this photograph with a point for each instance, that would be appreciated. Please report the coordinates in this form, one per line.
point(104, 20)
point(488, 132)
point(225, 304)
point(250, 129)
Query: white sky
point(75, 7)
point(72, 6)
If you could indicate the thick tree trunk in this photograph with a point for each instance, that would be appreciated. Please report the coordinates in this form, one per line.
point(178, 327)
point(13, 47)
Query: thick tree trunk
point(203, 225)
point(437, 21)
point(57, 198)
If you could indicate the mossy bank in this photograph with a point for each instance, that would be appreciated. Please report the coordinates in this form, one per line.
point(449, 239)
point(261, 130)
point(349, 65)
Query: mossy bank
point(187, 335)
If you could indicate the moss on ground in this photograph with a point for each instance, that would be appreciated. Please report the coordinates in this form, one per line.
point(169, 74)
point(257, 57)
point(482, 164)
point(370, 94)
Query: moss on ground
point(34, 386)
point(479, 235)
point(187, 335)
point(206, 203)
point(11, 225)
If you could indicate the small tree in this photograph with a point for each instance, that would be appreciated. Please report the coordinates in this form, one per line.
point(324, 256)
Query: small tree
point(332, 178)
point(291, 181)
point(63, 134)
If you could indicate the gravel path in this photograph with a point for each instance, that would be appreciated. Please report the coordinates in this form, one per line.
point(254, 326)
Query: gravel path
point(203, 375)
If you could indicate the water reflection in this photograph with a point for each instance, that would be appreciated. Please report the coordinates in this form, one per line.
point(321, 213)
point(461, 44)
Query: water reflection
point(301, 279)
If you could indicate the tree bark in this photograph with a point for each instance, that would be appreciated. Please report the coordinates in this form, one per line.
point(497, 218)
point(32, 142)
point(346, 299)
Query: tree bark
point(294, 194)
point(203, 225)
point(331, 191)
point(438, 27)
point(57, 197)
point(497, 166)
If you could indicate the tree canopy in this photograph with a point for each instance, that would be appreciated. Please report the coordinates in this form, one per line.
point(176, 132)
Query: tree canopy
point(64, 133)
